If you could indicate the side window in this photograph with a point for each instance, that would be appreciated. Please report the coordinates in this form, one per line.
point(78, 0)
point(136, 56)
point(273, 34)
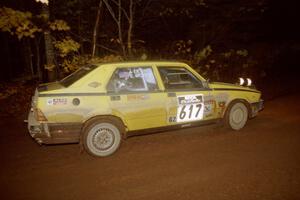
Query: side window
point(179, 78)
point(132, 79)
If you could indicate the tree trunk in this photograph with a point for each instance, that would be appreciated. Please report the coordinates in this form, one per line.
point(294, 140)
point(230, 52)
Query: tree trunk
point(38, 59)
point(50, 58)
point(80, 34)
point(28, 58)
point(130, 26)
point(95, 33)
point(118, 20)
point(120, 28)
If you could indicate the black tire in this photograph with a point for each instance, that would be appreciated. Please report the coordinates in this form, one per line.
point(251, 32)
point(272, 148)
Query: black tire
point(102, 136)
point(236, 115)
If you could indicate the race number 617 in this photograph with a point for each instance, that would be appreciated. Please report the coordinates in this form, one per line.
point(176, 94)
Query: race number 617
point(189, 112)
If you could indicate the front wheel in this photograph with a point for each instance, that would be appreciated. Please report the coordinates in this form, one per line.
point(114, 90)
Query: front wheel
point(236, 116)
point(102, 137)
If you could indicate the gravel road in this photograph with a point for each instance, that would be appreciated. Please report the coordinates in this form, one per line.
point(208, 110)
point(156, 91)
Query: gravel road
point(262, 161)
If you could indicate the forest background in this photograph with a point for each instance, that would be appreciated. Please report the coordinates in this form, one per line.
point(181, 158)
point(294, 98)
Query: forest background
point(222, 39)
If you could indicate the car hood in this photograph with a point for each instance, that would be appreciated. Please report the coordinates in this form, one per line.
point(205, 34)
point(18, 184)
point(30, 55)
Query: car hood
point(228, 86)
point(49, 86)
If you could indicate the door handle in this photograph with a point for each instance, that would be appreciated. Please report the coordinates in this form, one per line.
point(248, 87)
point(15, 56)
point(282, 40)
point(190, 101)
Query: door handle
point(115, 98)
point(171, 94)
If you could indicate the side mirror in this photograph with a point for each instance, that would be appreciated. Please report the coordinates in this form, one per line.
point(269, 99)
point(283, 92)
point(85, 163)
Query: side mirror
point(205, 83)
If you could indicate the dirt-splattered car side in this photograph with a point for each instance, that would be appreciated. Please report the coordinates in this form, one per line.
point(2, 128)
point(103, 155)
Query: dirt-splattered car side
point(101, 104)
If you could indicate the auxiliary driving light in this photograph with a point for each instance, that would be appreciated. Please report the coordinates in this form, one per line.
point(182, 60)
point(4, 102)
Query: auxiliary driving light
point(249, 82)
point(242, 81)
point(246, 81)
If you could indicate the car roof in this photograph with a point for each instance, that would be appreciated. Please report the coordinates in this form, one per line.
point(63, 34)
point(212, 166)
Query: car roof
point(136, 63)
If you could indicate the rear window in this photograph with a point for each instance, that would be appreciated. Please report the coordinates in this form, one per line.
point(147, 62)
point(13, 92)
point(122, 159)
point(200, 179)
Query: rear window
point(132, 79)
point(75, 76)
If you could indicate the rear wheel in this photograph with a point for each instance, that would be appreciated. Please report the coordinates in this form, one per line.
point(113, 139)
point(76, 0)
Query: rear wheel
point(102, 136)
point(236, 115)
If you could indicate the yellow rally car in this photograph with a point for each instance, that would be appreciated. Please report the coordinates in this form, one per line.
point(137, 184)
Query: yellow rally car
point(98, 105)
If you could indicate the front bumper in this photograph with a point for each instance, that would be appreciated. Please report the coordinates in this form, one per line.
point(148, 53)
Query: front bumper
point(256, 107)
point(53, 133)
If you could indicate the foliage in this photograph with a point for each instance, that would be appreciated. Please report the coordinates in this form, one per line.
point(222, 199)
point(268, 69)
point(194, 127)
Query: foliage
point(17, 23)
point(212, 63)
point(207, 34)
point(66, 46)
point(181, 8)
point(200, 3)
point(202, 54)
point(7, 92)
point(59, 25)
point(107, 58)
point(73, 63)
point(242, 52)
point(18, 94)
point(183, 47)
point(49, 67)
point(43, 1)
point(224, 66)
point(22, 25)
point(67, 51)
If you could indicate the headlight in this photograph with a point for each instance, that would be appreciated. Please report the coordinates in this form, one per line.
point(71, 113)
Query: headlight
point(247, 82)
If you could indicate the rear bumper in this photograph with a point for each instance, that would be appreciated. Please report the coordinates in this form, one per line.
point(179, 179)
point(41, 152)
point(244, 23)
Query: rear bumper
point(53, 133)
point(256, 107)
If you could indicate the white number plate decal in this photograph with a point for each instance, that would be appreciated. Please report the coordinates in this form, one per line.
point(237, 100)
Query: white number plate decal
point(190, 108)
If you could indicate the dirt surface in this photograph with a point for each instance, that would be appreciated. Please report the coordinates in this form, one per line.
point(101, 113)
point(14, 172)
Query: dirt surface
point(262, 161)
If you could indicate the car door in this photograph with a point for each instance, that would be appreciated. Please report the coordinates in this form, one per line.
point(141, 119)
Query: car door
point(136, 97)
point(188, 100)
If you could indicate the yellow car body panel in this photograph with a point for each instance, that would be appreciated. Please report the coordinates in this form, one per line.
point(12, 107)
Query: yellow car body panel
point(151, 100)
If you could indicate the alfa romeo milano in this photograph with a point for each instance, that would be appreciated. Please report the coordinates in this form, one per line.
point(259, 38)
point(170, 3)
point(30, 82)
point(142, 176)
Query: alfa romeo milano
point(99, 105)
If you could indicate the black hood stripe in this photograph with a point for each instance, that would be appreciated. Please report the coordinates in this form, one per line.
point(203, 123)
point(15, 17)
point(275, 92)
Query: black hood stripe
point(95, 94)
point(235, 89)
point(71, 94)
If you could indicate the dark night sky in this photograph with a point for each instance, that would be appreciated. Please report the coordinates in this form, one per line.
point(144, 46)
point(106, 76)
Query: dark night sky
point(279, 28)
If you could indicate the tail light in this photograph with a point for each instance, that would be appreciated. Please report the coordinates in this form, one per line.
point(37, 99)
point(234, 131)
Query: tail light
point(39, 115)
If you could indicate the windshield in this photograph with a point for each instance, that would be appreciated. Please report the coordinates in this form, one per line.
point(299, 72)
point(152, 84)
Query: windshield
point(81, 72)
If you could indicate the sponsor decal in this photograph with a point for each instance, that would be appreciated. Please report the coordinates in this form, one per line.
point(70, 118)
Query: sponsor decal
point(221, 97)
point(57, 101)
point(190, 108)
point(94, 84)
point(207, 108)
point(189, 99)
point(209, 105)
point(222, 104)
point(172, 119)
point(137, 97)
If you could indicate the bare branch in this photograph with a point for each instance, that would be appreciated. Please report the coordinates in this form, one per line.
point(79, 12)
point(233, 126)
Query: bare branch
point(95, 32)
point(124, 11)
point(98, 45)
point(111, 11)
point(144, 11)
